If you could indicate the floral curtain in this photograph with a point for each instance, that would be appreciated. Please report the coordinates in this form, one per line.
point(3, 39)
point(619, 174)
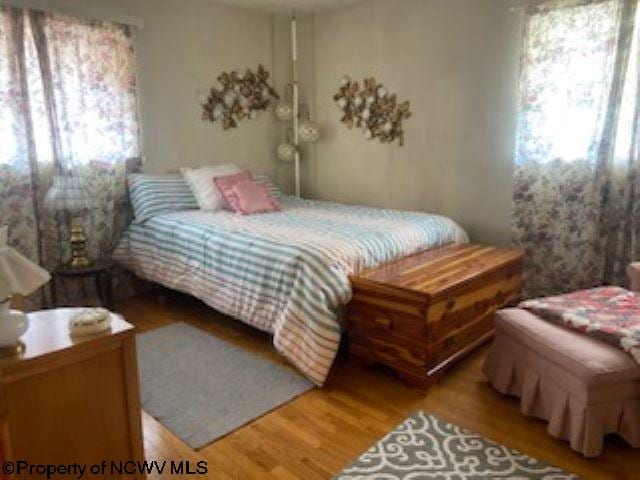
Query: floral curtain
point(67, 105)
point(576, 199)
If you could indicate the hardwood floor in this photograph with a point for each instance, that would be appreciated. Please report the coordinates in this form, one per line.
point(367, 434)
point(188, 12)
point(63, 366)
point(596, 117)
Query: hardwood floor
point(317, 434)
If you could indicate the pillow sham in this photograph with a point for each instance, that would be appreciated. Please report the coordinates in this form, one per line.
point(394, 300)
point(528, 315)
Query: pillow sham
point(200, 181)
point(253, 197)
point(156, 194)
point(225, 187)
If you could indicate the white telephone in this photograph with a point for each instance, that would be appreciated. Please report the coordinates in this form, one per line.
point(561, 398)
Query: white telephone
point(90, 321)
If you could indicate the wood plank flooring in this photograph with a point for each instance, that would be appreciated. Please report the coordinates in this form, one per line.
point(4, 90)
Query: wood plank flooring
point(317, 434)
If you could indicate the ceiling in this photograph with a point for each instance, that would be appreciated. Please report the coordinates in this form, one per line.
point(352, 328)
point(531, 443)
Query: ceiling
point(284, 6)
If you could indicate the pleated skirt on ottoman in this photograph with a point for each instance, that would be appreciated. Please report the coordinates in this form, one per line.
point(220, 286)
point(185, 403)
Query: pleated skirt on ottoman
point(583, 387)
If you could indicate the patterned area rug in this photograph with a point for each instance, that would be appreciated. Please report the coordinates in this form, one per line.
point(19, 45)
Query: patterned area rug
point(423, 446)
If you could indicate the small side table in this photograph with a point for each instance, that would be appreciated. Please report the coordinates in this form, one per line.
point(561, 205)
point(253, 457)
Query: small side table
point(99, 270)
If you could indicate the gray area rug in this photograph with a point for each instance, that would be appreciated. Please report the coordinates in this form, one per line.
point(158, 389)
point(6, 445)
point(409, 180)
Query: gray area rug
point(423, 446)
point(201, 387)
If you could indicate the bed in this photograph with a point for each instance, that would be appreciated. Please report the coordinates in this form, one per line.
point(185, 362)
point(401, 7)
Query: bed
point(286, 273)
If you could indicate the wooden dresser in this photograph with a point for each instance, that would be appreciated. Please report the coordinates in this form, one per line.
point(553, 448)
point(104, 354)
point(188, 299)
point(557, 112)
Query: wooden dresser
point(67, 400)
point(420, 313)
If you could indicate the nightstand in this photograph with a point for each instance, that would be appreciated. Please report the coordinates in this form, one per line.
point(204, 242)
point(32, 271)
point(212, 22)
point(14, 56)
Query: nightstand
point(71, 400)
point(99, 271)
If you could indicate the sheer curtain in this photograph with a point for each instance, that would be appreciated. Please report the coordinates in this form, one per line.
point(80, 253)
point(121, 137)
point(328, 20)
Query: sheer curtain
point(576, 199)
point(67, 105)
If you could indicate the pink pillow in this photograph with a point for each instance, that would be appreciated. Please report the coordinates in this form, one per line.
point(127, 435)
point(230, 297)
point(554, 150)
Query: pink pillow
point(225, 186)
point(253, 197)
point(242, 195)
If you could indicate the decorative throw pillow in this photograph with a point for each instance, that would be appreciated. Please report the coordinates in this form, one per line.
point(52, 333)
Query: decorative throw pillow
point(200, 181)
point(266, 180)
point(225, 187)
point(156, 194)
point(253, 197)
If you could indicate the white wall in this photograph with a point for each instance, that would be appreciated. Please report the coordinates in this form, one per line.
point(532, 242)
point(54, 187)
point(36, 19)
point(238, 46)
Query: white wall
point(456, 61)
point(182, 48)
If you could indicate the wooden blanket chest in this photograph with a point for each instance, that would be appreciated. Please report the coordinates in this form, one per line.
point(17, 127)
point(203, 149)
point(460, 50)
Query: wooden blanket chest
point(420, 313)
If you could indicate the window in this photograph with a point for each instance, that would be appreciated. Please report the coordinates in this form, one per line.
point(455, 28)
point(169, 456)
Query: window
point(77, 101)
point(567, 75)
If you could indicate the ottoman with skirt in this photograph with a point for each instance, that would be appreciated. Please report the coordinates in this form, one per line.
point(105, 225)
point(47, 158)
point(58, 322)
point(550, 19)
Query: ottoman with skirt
point(584, 388)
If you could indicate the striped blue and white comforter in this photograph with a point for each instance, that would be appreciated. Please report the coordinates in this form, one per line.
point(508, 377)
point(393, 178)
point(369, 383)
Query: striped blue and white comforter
point(286, 272)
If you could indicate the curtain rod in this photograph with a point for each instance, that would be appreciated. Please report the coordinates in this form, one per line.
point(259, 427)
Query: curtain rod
point(80, 10)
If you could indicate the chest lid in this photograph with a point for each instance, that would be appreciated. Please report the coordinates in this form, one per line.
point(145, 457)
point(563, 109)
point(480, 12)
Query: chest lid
point(434, 272)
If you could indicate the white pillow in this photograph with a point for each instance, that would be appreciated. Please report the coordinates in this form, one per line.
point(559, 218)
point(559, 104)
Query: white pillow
point(201, 182)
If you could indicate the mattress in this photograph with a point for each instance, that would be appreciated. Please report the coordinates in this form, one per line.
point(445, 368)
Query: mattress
point(287, 272)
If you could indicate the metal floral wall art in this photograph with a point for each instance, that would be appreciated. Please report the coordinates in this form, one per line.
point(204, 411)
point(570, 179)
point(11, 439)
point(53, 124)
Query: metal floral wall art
point(240, 96)
point(372, 109)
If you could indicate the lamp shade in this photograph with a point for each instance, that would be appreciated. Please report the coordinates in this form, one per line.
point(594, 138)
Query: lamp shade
point(283, 111)
point(286, 152)
point(67, 193)
point(18, 274)
point(309, 131)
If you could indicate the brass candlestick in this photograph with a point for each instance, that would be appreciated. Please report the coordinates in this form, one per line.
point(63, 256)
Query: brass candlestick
point(78, 243)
